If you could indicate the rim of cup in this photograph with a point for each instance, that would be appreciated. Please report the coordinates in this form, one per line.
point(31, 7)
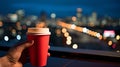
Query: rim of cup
point(38, 31)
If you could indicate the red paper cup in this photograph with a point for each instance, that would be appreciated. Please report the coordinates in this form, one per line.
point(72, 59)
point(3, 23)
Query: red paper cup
point(39, 50)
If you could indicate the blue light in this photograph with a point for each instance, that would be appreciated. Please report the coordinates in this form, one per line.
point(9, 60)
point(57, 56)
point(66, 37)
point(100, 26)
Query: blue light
point(6, 38)
point(18, 37)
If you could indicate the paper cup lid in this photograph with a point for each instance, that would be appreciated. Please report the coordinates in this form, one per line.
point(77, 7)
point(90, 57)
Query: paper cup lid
point(38, 30)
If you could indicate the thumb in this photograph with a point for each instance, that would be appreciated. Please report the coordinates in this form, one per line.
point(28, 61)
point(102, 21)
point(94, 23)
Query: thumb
point(16, 51)
point(22, 46)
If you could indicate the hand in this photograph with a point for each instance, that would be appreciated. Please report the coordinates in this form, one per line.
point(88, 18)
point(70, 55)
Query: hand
point(16, 56)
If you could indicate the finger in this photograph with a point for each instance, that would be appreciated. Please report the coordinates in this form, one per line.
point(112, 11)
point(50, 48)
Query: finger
point(24, 45)
point(48, 47)
point(16, 51)
point(48, 54)
point(24, 55)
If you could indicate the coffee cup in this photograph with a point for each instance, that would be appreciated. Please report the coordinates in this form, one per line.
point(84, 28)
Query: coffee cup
point(38, 52)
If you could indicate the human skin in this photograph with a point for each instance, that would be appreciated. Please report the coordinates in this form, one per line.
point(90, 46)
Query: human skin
point(17, 55)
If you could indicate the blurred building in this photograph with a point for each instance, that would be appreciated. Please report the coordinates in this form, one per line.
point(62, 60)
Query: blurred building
point(79, 16)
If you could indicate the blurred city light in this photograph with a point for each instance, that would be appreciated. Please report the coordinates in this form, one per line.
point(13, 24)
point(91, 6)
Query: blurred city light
point(77, 28)
point(58, 32)
point(66, 34)
point(98, 35)
point(85, 30)
point(64, 30)
point(20, 12)
point(118, 37)
point(81, 29)
point(109, 33)
point(18, 26)
point(24, 27)
point(13, 31)
point(74, 19)
point(69, 38)
point(53, 15)
point(110, 43)
point(1, 23)
point(18, 37)
point(73, 26)
point(6, 38)
point(28, 23)
point(118, 51)
point(114, 46)
point(101, 37)
point(13, 17)
point(68, 42)
point(75, 46)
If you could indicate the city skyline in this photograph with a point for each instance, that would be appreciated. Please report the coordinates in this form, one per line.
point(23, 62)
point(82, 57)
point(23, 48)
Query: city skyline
point(62, 8)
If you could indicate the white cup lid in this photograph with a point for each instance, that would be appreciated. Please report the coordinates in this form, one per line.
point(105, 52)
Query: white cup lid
point(38, 31)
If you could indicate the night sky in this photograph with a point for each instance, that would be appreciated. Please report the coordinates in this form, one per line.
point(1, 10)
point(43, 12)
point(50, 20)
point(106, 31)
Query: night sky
point(62, 8)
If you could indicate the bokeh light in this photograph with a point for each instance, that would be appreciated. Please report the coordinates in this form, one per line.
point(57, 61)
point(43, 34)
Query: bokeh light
point(74, 18)
point(64, 30)
point(114, 46)
point(75, 46)
point(73, 26)
point(69, 38)
point(53, 15)
point(6, 38)
point(117, 37)
point(68, 42)
point(85, 30)
point(66, 34)
point(1, 23)
point(58, 32)
point(18, 37)
point(110, 43)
